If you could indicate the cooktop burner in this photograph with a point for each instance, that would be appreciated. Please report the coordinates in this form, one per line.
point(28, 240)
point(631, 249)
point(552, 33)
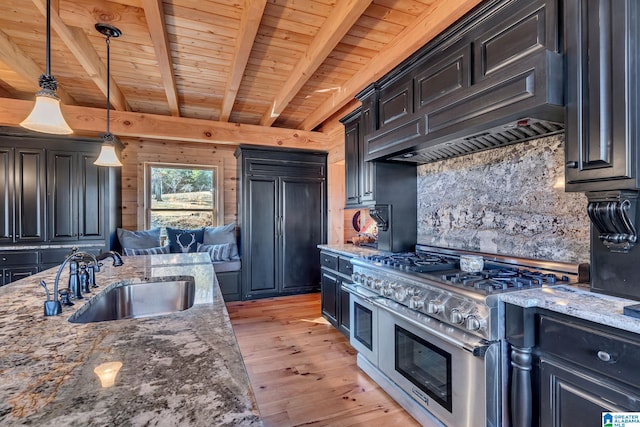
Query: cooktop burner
point(414, 262)
point(502, 279)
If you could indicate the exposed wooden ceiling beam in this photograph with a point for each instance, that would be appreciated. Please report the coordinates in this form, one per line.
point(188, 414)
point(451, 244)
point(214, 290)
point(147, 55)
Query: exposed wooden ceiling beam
point(430, 23)
point(91, 121)
point(154, 12)
point(334, 29)
point(249, 24)
point(80, 45)
point(16, 59)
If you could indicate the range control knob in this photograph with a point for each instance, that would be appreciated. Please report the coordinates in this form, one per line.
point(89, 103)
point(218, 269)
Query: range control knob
point(377, 284)
point(400, 293)
point(416, 303)
point(435, 307)
point(356, 277)
point(473, 323)
point(456, 317)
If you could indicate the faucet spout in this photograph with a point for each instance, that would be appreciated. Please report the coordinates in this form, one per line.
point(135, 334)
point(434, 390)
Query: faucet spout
point(115, 256)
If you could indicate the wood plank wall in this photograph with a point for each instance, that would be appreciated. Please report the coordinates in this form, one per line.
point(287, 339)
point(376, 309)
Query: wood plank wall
point(139, 151)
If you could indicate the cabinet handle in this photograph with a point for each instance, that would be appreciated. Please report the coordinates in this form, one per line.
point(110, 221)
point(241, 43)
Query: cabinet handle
point(605, 357)
point(572, 164)
point(4, 259)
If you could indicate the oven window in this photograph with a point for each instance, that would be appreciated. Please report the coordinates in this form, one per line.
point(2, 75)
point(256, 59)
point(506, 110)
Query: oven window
point(425, 365)
point(363, 328)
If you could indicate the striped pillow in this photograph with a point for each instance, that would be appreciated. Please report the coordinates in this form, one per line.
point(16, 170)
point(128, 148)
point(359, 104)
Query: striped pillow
point(216, 252)
point(147, 251)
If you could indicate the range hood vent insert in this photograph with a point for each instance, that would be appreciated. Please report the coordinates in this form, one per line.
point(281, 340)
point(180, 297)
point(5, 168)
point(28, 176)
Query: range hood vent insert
point(499, 136)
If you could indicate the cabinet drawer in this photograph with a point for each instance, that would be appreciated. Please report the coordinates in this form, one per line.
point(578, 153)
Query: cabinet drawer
point(18, 258)
point(345, 266)
point(329, 261)
point(612, 355)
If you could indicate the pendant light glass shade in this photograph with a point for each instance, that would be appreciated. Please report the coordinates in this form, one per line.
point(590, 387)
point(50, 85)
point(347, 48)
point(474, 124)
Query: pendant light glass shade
point(46, 115)
point(108, 156)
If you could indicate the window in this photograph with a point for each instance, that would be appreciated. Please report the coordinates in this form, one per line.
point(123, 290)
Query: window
point(182, 196)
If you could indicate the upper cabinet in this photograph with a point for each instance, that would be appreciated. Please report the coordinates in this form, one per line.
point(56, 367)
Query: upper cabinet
point(22, 194)
point(493, 79)
point(602, 50)
point(51, 192)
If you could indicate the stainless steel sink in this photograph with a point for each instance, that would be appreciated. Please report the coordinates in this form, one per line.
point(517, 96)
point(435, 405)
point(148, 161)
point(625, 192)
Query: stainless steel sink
point(138, 300)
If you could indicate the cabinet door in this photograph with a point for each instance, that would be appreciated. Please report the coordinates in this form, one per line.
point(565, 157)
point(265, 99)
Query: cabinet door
point(301, 229)
point(601, 57)
point(63, 205)
point(17, 273)
point(367, 169)
point(352, 162)
point(571, 397)
point(329, 288)
point(30, 165)
point(344, 324)
point(261, 237)
point(6, 195)
point(91, 198)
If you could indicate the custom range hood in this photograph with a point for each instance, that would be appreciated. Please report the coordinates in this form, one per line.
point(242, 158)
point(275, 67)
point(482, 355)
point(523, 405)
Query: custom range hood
point(494, 79)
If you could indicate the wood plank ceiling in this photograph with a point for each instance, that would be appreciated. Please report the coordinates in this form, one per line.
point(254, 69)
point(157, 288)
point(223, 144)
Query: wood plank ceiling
point(273, 63)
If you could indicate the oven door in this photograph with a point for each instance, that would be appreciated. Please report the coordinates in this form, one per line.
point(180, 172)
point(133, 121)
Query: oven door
point(435, 364)
point(363, 334)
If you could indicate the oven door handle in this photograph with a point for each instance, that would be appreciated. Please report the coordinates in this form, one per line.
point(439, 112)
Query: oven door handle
point(476, 348)
point(360, 291)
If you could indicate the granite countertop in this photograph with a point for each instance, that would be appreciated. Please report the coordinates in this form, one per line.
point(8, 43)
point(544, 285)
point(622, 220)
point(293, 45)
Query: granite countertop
point(349, 249)
point(183, 368)
point(580, 302)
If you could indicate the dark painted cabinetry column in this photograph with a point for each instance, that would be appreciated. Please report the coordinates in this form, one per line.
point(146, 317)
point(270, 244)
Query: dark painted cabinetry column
point(282, 219)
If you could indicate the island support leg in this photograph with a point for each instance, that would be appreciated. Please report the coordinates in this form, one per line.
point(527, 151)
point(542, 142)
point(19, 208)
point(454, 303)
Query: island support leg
point(521, 393)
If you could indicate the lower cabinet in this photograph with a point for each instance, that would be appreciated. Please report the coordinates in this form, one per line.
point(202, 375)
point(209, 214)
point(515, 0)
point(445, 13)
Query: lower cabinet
point(575, 397)
point(18, 264)
point(568, 371)
point(229, 282)
point(336, 270)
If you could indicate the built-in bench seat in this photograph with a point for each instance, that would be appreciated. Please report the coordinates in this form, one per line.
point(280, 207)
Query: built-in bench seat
point(219, 242)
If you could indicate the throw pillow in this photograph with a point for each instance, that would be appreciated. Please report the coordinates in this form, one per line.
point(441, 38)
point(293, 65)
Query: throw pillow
point(141, 239)
point(216, 252)
point(184, 241)
point(147, 251)
point(220, 235)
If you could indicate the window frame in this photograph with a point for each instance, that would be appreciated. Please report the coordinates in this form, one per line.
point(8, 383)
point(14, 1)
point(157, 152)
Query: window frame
point(218, 187)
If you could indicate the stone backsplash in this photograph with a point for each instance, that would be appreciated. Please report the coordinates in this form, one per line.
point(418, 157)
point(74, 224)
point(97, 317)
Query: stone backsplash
point(507, 201)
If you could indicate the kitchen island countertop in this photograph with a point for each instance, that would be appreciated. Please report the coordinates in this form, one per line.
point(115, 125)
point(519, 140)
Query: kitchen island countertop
point(183, 368)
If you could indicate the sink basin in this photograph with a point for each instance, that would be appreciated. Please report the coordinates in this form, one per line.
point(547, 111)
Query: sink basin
point(138, 300)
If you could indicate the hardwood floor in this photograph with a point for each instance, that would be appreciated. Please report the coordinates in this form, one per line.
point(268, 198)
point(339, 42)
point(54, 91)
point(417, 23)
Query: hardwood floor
point(303, 371)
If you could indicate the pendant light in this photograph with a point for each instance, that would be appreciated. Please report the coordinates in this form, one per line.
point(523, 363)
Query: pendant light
point(46, 115)
point(108, 155)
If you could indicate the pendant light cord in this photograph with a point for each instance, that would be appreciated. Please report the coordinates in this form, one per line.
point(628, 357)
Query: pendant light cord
point(48, 42)
point(108, 79)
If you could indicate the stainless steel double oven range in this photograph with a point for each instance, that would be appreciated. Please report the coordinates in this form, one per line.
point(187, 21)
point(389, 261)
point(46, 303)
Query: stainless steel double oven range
point(433, 336)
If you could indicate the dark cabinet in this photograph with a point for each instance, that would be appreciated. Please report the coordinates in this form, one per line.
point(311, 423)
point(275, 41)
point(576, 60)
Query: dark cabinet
point(77, 188)
point(498, 68)
point(359, 174)
point(282, 219)
point(52, 193)
point(336, 270)
point(573, 370)
point(22, 193)
point(602, 52)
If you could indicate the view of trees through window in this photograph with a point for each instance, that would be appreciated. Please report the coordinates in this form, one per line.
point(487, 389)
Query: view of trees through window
point(182, 197)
